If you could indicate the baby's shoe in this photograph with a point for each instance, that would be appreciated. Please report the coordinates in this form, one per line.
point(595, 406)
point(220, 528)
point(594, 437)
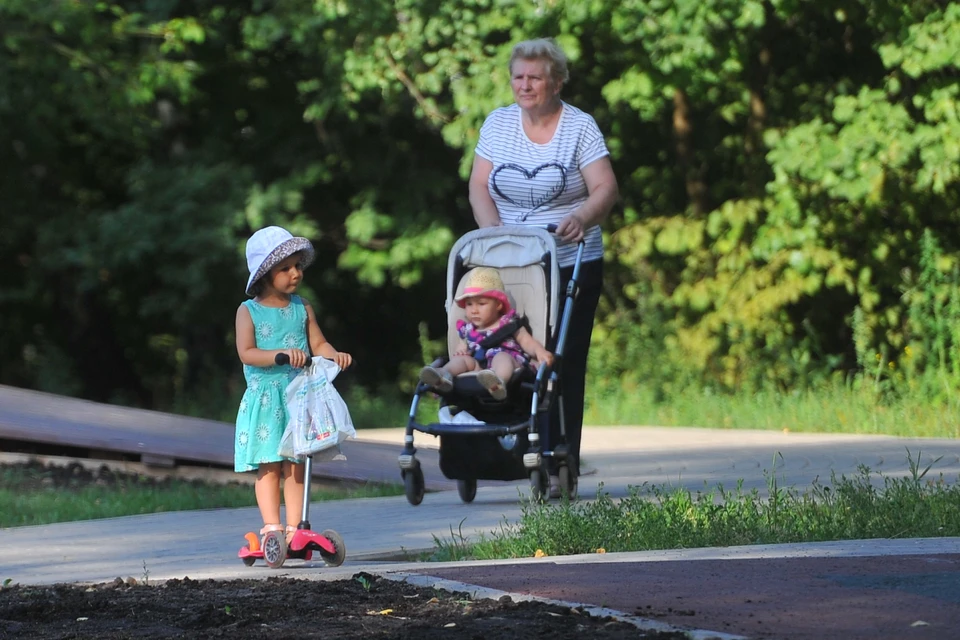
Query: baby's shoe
point(492, 383)
point(439, 379)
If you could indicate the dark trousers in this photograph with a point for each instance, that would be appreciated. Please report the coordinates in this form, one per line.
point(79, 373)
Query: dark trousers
point(573, 369)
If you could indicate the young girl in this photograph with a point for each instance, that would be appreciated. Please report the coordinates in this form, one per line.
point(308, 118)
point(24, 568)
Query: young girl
point(274, 321)
point(488, 308)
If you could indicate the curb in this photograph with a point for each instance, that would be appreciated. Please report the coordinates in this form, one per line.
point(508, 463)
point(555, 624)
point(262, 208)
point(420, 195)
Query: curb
point(483, 593)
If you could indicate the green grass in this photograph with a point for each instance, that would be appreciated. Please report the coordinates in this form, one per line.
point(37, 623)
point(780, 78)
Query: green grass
point(830, 408)
point(25, 499)
point(655, 517)
point(834, 408)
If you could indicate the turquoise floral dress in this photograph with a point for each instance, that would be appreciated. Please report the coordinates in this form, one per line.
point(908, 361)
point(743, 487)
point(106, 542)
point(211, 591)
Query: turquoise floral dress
point(262, 416)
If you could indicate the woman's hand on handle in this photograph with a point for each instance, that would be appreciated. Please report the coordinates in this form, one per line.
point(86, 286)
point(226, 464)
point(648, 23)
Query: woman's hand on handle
point(570, 228)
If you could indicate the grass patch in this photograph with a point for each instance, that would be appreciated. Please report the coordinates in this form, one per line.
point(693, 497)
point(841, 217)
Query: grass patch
point(656, 517)
point(32, 495)
point(831, 408)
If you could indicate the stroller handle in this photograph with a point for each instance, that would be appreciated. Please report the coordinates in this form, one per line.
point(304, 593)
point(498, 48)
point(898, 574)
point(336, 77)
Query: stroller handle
point(552, 228)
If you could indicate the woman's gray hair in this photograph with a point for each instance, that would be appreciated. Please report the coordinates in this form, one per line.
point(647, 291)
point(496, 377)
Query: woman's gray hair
point(544, 49)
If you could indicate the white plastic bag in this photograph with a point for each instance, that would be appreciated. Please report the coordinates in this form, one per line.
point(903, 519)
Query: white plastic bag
point(318, 418)
point(461, 417)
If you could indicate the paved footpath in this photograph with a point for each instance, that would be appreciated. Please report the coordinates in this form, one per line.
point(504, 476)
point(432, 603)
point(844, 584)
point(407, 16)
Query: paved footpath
point(862, 589)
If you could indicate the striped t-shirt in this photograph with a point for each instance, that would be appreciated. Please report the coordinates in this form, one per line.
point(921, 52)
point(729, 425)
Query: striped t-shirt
point(539, 184)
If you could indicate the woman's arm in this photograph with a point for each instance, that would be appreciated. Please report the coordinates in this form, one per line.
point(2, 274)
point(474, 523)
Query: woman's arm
point(603, 194)
point(318, 343)
point(247, 345)
point(484, 210)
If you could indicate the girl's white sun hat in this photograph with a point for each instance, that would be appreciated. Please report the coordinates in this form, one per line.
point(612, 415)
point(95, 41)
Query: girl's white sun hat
point(271, 245)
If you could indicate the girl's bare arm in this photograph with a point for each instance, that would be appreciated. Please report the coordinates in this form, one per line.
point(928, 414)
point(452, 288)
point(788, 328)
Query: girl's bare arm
point(532, 346)
point(247, 345)
point(318, 343)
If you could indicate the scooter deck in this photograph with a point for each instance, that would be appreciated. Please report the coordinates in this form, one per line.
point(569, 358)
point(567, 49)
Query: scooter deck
point(301, 546)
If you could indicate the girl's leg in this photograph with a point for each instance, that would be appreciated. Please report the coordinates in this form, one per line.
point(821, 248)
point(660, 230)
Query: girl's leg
point(267, 490)
point(495, 378)
point(293, 494)
point(461, 364)
point(503, 365)
point(442, 379)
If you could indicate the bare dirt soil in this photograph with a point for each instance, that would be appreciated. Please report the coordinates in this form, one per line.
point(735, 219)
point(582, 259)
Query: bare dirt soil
point(365, 606)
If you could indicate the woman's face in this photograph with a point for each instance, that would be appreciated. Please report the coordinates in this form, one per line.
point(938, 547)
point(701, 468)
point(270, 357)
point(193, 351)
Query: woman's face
point(533, 88)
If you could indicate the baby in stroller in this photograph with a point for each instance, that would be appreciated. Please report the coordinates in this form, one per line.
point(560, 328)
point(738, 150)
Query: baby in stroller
point(494, 340)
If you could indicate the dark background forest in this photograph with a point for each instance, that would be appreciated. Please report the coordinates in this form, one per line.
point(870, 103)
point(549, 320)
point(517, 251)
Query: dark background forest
point(789, 175)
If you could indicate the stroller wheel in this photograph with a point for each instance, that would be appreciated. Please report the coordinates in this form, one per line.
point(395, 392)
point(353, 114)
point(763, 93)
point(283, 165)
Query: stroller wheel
point(569, 484)
point(413, 485)
point(274, 549)
point(539, 485)
point(467, 490)
point(335, 559)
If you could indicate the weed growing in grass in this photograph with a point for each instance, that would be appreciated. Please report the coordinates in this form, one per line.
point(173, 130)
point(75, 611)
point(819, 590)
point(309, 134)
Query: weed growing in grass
point(863, 506)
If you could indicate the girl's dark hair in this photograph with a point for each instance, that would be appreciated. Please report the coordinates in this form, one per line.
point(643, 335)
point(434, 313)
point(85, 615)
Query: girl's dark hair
point(256, 288)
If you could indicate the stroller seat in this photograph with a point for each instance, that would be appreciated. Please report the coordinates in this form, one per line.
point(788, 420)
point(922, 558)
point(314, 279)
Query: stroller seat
point(527, 284)
point(498, 440)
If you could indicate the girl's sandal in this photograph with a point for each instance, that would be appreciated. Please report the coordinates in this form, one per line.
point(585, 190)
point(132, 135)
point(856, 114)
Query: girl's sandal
point(439, 379)
point(267, 528)
point(290, 531)
point(492, 383)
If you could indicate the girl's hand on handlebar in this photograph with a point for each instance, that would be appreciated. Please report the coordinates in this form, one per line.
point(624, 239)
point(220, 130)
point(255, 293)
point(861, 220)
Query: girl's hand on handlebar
point(570, 228)
point(343, 359)
point(298, 358)
point(545, 357)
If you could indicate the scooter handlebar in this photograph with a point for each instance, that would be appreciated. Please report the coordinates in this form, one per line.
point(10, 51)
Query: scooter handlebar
point(282, 359)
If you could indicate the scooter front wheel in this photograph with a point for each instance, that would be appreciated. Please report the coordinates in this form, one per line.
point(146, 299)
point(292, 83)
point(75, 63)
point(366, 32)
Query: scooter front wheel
point(275, 549)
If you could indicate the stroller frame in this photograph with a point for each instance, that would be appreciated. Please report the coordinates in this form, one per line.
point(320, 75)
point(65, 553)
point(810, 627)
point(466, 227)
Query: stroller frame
point(479, 451)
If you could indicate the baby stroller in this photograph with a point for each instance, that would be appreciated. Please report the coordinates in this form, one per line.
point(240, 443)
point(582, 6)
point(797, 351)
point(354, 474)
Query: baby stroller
point(486, 439)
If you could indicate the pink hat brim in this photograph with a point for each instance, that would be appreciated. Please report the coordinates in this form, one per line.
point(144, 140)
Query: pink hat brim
point(477, 292)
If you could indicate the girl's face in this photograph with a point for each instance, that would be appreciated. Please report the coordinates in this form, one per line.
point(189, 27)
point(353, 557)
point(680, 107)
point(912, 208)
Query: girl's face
point(286, 276)
point(533, 88)
point(482, 311)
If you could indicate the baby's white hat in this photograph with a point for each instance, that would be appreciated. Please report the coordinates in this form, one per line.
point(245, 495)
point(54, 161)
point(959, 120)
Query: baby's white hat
point(271, 245)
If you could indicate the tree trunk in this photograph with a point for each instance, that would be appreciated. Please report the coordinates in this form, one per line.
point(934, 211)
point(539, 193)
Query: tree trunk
point(683, 136)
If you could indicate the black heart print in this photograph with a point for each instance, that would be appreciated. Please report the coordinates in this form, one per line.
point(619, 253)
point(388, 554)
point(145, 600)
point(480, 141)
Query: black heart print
point(539, 195)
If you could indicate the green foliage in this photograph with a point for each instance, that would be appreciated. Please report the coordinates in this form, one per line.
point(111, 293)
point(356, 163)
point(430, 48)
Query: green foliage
point(779, 164)
point(864, 506)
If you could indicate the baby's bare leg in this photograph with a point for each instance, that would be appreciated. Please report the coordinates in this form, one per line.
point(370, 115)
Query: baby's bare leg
point(461, 364)
point(503, 365)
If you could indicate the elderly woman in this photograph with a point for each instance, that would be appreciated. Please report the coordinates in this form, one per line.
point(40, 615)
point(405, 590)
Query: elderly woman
point(542, 161)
